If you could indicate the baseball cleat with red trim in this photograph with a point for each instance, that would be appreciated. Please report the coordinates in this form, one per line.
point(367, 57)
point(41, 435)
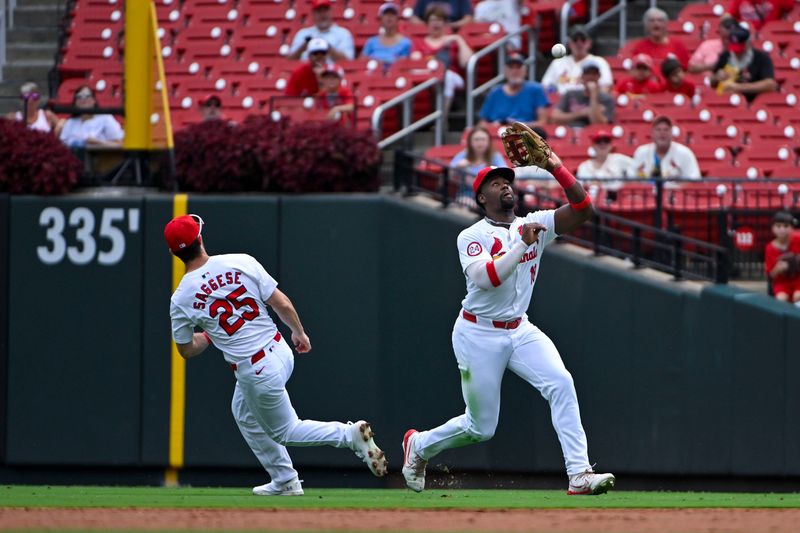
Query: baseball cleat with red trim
point(413, 464)
point(589, 483)
point(365, 448)
point(290, 488)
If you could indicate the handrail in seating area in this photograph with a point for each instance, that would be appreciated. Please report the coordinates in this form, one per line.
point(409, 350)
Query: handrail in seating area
point(407, 126)
point(731, 214)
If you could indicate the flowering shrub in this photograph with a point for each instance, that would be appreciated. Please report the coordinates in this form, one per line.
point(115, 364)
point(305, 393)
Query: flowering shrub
point(32, 162)
point(264, 155)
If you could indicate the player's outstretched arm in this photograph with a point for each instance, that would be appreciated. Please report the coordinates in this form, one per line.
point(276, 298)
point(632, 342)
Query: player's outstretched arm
point(286, 312)
point(579, 209)
point(200, 341)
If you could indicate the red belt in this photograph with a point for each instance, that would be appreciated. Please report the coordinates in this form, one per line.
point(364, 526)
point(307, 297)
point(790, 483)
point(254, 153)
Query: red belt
point(499, 324)
point(260, 354)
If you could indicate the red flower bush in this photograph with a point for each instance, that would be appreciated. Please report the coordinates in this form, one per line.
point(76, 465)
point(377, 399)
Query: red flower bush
point(264, 155)
point(32, 162)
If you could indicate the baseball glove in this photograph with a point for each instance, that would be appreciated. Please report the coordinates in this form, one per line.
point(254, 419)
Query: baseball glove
point(524, 146)
point(793, 260)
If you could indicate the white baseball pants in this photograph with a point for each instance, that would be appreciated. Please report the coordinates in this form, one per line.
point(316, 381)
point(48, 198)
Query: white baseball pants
point(267, 420)
point(483, 353)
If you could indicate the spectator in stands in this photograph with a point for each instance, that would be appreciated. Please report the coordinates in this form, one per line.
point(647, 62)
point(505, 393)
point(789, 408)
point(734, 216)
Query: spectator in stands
point(456, 13)
point(504, 12)
point(515, 100)
point(38, 119)
point(642, 80)
point(782, 258)
point(588, 105)
point(210, 107)
point(338, 38)
point(605, 164)
point(657, 43)
point(450, 49)
point(564, 74)
point(707, 54)
point(479, 153)
point(304, 81)
point(675, 78)
point(743, 69)
point(90, 129)
point(758, 12)
point(334, 96)
point(389, 45)
point(664, 158)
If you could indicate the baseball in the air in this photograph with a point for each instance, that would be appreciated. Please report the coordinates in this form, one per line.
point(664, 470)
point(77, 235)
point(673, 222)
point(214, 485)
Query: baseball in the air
point(558, 50)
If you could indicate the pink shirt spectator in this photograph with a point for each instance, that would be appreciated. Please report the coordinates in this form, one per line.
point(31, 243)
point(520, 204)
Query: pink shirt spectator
point(707, 53)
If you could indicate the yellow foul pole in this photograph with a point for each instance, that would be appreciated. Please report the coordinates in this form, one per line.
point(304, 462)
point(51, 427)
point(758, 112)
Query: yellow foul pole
point(138, 75)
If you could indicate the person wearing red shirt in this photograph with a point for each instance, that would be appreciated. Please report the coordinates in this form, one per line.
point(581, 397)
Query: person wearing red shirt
point(656, 43)
point(759, 12)
point(674, 78)
point(782, 258)
point(334, 96)
point(642, 80)
point(304, 81)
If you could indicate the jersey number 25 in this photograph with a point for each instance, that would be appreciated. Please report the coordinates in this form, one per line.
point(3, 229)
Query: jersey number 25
point(224, 308)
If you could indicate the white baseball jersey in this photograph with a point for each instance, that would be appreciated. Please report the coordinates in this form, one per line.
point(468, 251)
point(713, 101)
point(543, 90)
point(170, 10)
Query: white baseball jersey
point(484, 242)
point(225, 297)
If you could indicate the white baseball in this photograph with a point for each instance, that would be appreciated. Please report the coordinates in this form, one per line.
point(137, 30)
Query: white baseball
point(558, 50)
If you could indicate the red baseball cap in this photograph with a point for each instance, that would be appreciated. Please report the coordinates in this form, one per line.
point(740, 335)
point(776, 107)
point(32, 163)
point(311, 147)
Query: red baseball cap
point(316, 4)
point(490, 172)
point(602, 134)
point(643, 59)
point(182, 231)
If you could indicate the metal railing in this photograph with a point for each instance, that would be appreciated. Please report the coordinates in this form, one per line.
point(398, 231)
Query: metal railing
point(595, 19)
point(6, 21)
point(610, 234)
point(406, 100)
point(500, 47)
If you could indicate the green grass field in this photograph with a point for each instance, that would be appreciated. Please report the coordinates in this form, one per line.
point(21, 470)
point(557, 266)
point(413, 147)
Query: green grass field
point(61, 496)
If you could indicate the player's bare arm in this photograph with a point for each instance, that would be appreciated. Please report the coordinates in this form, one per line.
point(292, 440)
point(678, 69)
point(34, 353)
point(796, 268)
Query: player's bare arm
point(579, 209)
point(200, 342)
point(286, 312)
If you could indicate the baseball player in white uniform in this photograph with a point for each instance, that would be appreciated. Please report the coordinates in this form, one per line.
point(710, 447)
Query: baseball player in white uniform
point(226, 296)
point(500, 258)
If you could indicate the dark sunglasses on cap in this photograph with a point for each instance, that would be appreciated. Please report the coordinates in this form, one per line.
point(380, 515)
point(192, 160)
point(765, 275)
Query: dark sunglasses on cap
point(30, 96)
point(199, 221)
point(602, 140)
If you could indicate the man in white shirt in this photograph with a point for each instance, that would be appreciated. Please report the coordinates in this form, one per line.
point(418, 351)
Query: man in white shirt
point(227, 297)
point(665, 158)
point(605, 164)
point(564, 74)
point(338, 38)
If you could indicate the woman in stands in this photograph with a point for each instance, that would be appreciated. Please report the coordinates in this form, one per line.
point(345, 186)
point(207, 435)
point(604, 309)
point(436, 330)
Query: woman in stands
point(479, 153)
point(448, 48)
point(389, 45)
point(90, 129)
point(37, 119)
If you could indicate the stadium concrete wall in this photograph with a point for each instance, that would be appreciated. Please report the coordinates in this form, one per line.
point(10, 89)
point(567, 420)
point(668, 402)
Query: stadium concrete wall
point(671, 380)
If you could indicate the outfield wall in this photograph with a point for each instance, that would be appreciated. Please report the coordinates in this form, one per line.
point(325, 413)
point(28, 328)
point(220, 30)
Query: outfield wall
point(671, 380)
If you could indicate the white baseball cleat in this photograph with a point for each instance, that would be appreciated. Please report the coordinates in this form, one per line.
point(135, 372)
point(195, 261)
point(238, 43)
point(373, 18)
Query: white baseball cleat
point(413, 464)
point(589, 483)
point(290, 488)
point(365, 448)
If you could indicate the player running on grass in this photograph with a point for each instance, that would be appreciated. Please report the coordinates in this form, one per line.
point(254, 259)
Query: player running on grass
point(500, 258)
point(226, 296)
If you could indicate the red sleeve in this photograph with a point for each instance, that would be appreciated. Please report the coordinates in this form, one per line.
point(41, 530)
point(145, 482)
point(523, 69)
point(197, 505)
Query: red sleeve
point(794, 244)
point(345, 95)
point(293, 85)
point(653, 87)
point(770, 257)
point(622, 86)
point(733, 9)
point(680, 51)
